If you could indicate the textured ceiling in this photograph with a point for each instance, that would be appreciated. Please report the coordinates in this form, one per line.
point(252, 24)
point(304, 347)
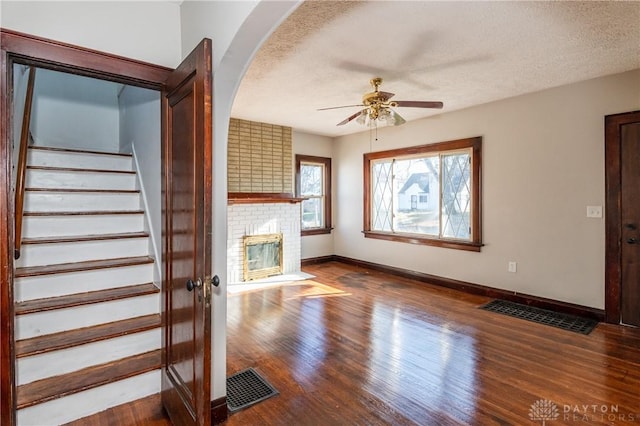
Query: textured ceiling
point(461, 53)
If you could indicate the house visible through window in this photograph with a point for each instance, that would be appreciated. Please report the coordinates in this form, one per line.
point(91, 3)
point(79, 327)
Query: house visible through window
point(428, 194)
point(313, 182)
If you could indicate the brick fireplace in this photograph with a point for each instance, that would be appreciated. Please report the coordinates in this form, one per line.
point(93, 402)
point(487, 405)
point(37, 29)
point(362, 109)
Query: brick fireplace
point(261, 201)
point(262, 218)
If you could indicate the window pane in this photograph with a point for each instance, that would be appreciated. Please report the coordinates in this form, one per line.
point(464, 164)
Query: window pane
point(312, 213)
point(310, 179)
point(381, 193)
point(416, 195)
point(456, 196)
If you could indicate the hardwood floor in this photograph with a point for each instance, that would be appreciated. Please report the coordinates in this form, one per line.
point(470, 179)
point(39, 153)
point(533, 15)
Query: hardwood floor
point(359, 347)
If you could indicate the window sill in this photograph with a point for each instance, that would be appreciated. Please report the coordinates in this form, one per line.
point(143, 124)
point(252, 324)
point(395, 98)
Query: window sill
point(419, 239)
point(315, 231)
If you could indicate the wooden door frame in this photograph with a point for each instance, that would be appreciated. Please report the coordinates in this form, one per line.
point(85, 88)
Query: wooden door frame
point(22, 48)
point(613, 222)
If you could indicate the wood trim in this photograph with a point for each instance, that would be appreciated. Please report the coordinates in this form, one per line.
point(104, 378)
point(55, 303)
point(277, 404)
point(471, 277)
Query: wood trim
point(90, 377)
point(613, 221)
point(315, 231)
point(25, 136)
point(65, 57)
point(467, 287)
point(326, 162)
point(419, 239)
point(81, 336)
point(85, 190)
point(62, 268)
point(79, 299)
point(316, 260)
point(80, 151)
point(78, 170)
point(78, 238)
point(219, 410)
point(84, 213)
point(18, 47)
point(475, 144)
point(7, 245)
point(261, 197)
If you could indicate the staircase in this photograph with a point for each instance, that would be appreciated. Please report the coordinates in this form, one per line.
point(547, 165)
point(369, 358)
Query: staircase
point(87, 317)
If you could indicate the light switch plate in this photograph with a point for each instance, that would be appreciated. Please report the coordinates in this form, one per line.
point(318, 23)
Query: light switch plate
point(594, 211)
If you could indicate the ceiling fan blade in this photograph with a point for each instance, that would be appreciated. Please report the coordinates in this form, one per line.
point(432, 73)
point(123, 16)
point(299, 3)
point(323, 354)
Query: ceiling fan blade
point(386, 96)
point(397, 119)
point(351, 117)
point(343, 106)
point(420, 104)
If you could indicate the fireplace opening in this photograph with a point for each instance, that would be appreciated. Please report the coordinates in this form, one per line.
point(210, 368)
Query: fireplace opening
point(262, 256)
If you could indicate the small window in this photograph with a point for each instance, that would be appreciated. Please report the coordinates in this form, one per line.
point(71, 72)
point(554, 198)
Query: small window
point(313, 182)
point(428, 194)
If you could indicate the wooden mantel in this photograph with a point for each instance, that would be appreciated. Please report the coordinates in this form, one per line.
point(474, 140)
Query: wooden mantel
point(262, 197)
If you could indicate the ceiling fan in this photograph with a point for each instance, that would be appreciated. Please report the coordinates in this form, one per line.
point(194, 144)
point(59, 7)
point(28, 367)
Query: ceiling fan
point(378, 107)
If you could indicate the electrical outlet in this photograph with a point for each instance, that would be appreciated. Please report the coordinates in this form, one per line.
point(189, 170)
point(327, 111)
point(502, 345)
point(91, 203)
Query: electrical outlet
point(512, 267)
point(594, 211)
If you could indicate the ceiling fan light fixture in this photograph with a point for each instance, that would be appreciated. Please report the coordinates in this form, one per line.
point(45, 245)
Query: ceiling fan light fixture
point(378, 108)
point(387, 117)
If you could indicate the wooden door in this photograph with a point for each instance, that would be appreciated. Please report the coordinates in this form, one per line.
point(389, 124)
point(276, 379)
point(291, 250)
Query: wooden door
point(187, 138)
point(630, 207)
point(623, 218)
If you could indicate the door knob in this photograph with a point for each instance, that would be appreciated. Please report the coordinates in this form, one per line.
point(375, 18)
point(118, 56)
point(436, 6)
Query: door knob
point(632, 241)
point(215, 281)
point(193, 284)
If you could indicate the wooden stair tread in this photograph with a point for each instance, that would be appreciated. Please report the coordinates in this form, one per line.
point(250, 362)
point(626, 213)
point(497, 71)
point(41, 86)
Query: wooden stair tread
point(84, 213)
point(80, 170)
point(79, 151)
point(80, 336)
point(62, 268)
point(87, 378)
point(79, 299)
point(79, 238)
point(84, 190)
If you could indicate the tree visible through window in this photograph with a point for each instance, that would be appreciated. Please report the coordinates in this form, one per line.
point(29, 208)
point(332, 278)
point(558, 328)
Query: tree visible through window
point(313, 182)
point(427, 195)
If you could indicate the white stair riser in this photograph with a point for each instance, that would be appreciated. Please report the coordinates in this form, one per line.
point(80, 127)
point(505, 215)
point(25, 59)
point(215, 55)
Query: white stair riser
point(41, 286)
point(77, 180)
point(37, 201)
point(80, 251)
point(54, 226)
point(64, 361)
point(37, 157)
point(83, 404)
point(47, 322)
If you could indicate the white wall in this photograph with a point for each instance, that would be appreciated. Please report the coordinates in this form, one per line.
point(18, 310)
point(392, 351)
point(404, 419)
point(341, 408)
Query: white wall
point(140, 135)
point(218, 20)
point(543, 163)
point(75, 112)
point(143, 30)
point(321, 146)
